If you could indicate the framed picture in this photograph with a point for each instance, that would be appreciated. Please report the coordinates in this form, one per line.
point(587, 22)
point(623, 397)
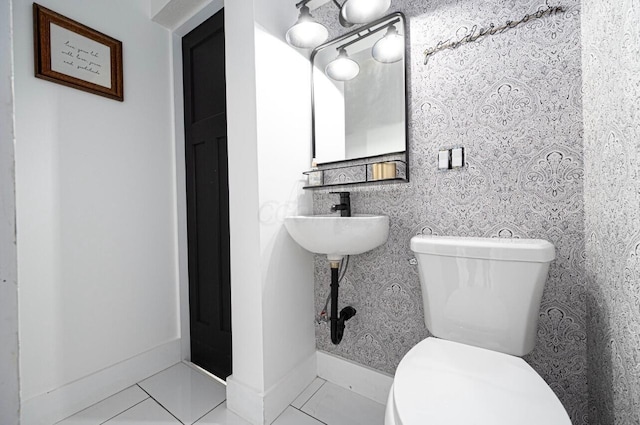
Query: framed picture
point(72, 54)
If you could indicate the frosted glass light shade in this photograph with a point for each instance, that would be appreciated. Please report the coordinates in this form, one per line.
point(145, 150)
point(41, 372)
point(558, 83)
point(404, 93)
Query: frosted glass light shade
point(342, 68)
point(390, 48)
point(364, 11)
point(306, 33)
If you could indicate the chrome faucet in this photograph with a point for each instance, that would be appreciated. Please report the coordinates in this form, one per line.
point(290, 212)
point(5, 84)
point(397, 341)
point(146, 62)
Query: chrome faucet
point(344, 206)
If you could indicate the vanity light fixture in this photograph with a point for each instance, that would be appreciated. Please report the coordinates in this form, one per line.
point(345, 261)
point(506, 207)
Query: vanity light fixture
point(306, 33)
point(342, 68)
point(390, 48)
point(363, 11)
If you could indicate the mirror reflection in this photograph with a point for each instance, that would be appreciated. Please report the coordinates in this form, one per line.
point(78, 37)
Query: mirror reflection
point(359, 93)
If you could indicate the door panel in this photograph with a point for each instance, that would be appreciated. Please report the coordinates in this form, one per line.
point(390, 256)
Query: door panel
point(207, 196)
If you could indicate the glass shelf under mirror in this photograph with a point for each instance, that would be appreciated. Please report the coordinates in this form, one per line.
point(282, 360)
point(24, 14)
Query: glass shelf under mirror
point(369, 172)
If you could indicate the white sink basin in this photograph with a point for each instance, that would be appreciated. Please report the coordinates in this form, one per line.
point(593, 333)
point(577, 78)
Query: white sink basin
point(338, 236)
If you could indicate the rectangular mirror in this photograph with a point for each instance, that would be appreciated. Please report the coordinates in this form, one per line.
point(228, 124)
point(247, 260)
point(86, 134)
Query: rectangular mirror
point(359, 111)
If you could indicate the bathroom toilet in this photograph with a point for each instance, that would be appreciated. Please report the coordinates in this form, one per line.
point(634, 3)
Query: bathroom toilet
point(481, 302)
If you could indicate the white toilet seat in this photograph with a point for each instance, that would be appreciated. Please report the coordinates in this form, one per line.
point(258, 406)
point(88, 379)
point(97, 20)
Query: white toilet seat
point(444, 382)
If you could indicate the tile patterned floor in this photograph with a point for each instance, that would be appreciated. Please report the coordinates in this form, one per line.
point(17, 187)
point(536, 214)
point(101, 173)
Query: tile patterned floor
point(183, 395)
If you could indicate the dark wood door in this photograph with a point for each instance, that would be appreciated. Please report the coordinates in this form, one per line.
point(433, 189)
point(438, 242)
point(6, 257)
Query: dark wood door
point(207, 196)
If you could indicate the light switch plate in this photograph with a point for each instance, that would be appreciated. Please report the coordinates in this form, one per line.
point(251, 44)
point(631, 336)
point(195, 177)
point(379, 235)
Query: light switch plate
point(457, 157)
point(444, 160)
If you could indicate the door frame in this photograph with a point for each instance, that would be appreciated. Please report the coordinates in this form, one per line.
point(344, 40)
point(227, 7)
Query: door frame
point(180, 168)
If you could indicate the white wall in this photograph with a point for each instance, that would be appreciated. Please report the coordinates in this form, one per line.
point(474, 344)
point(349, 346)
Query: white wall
point(9, 383)
point(246, 293)
point(269, 146)
point(284, 151)
point(156, 6)
point(95, 204)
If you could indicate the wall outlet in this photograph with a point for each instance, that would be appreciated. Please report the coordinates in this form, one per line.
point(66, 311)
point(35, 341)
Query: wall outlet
point(449, 159)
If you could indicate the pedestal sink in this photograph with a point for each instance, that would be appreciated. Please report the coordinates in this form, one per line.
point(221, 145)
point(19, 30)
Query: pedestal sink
point(337, 236)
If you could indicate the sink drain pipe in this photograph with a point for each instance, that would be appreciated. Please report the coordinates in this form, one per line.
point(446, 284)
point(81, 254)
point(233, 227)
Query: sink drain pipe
point(338, 322)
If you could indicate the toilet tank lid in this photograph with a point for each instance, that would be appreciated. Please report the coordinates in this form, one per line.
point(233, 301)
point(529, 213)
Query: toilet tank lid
point(529, 250)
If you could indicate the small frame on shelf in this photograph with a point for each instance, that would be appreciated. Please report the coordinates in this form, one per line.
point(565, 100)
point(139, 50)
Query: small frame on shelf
point(69, 53)
point(370, 172)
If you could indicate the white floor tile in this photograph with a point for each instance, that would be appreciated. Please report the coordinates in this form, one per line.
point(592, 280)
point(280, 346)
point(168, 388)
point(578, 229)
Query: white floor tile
point(107, 408)
point(335, 405)
point(222, 416)
point(307, 393)
point(293, 416)
point(185, 392)
point(146, 413)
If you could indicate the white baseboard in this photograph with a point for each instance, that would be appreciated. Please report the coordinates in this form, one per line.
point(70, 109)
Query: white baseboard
point(245, 401)
point(263, 408)
point(51, 407)
point(367, 382)
point(279, 396)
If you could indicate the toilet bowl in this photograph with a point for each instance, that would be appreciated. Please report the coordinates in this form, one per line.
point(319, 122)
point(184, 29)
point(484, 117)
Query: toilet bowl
point(481, 300)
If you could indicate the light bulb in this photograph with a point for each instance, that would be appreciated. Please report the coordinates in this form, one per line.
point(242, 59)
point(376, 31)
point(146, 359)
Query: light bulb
point(364, 11)
point(306, 33)
point(342, 68)
point(389, 48)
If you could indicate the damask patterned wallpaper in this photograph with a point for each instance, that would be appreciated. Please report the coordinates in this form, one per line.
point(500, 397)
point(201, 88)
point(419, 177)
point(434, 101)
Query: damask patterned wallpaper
point(611, 66)
point(513, 100)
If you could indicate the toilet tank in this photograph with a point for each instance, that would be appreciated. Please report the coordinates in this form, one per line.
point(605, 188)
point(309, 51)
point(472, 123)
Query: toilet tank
point(482, 291)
